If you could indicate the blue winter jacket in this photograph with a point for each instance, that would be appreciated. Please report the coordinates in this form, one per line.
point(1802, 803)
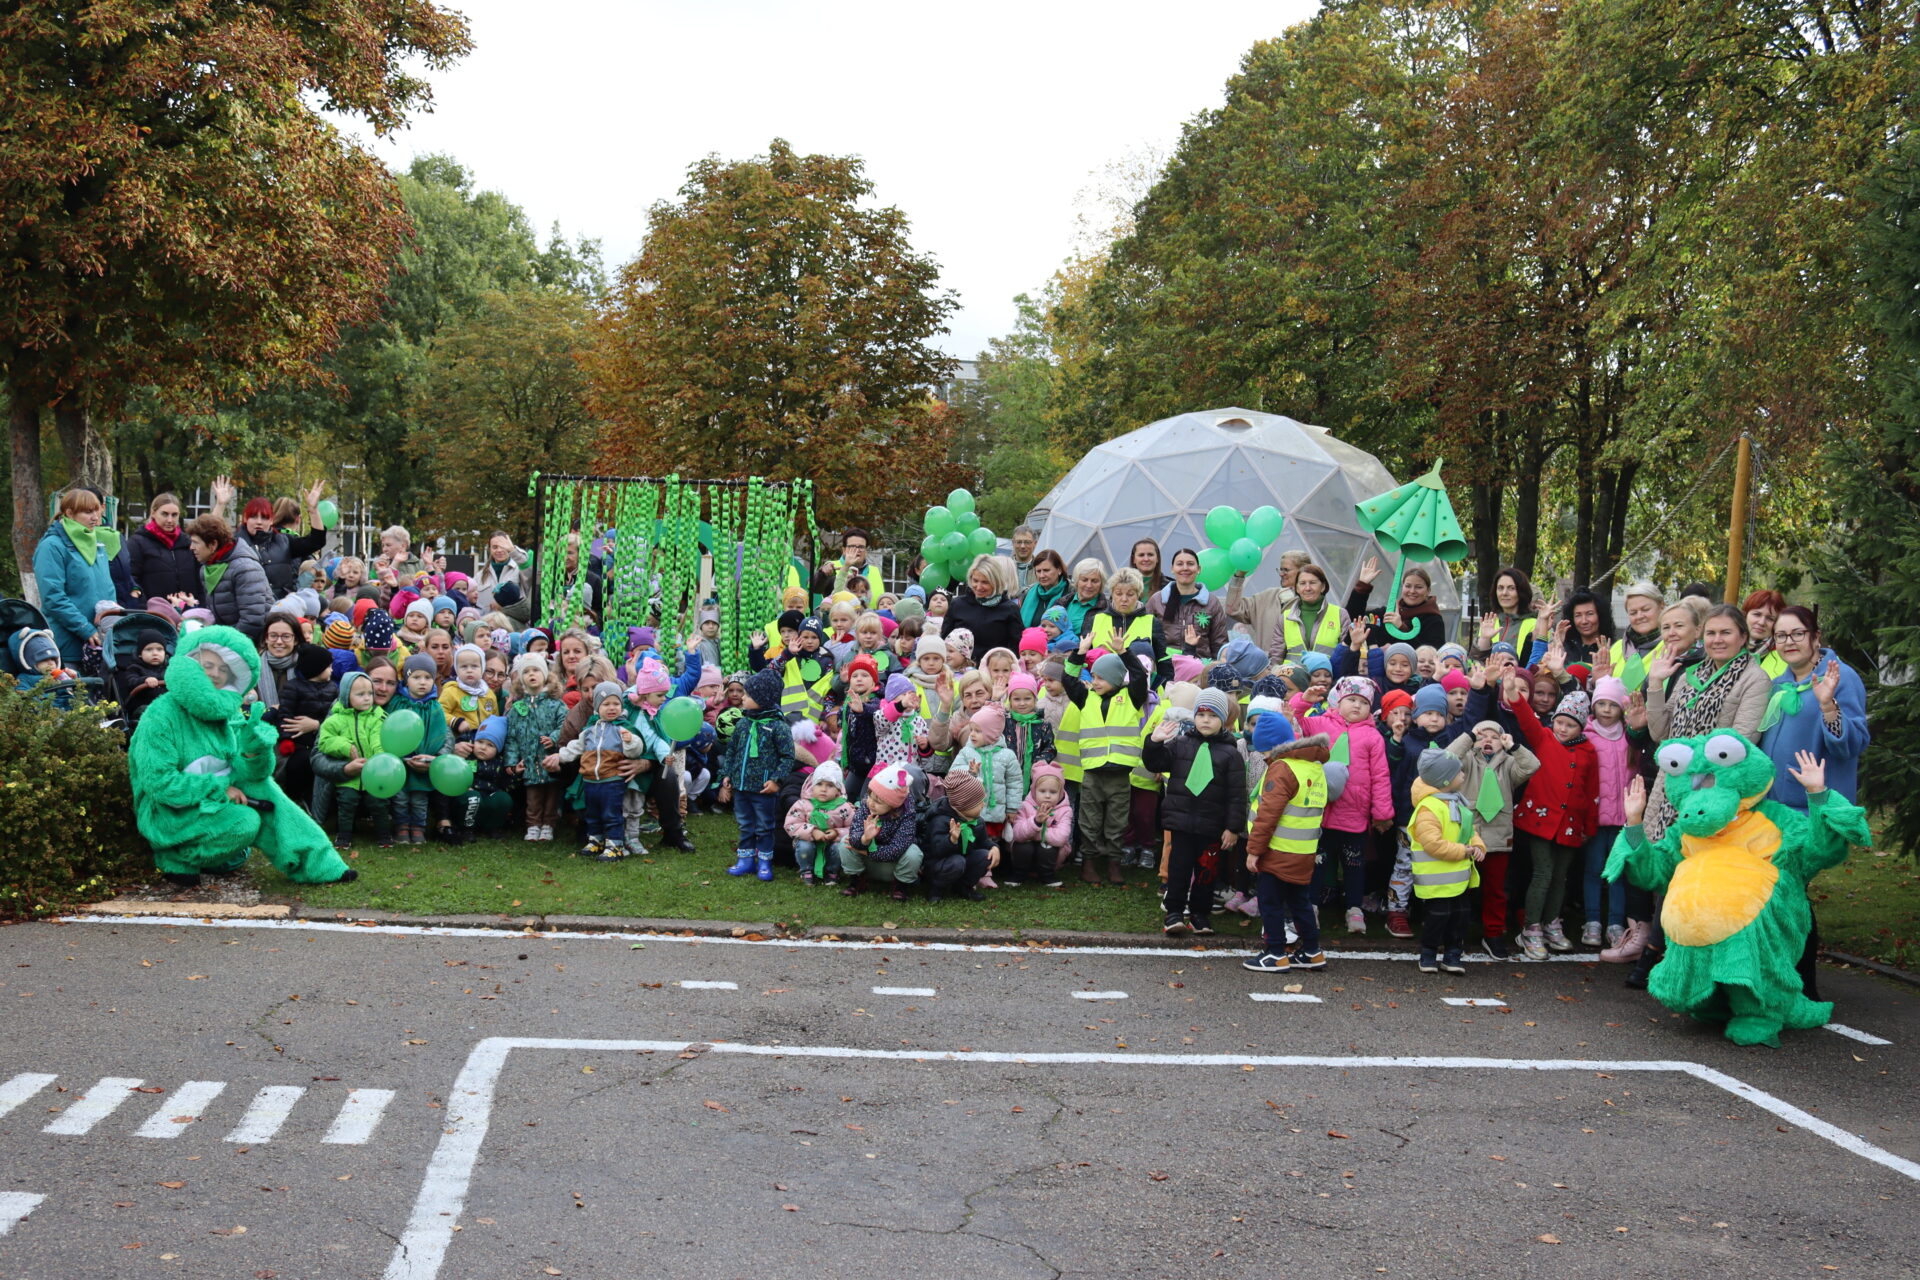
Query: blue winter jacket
point(69, 590)
point(1806, 730)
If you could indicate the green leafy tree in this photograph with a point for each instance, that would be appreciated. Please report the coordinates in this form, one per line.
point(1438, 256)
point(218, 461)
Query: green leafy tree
point(1010, 415)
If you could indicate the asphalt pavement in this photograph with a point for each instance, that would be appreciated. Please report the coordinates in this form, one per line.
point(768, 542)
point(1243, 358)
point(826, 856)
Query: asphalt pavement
point(249, 1100)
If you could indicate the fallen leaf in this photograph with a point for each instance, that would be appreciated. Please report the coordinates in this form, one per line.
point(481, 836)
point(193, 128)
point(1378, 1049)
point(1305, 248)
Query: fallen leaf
point(195, 977)
point(1548, 1239)
point(230, 1231)
point(416, 1042)
point(1335, 1133)
point(548, 1271)
point(1294, 987)
point(586, 1071)
point(343, 1177)
point(791, 1208)
point(712, 1105)
point(151, 1088)
point(1501, 1159)
point(779, 1186)
point(1156, 1175)
point(485, 1222)
point(137, 1244)
point(173, 1186)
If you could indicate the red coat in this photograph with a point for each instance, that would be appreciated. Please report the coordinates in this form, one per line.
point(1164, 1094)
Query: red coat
point(1562, 800)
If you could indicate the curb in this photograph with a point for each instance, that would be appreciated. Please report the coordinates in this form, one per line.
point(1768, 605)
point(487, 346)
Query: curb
point(1873, 966)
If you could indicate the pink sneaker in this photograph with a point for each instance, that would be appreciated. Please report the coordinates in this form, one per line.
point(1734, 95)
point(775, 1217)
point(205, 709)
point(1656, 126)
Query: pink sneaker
point(1249, 906)
point(1235, 901)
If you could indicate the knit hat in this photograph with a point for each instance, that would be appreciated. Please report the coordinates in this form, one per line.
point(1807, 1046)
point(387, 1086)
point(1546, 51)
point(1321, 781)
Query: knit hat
point(1188, 668)
point(887, 625)
point(377, 631)
point(1575, 707)
point(892, 782)
point(916, 592)
point(1020, 680)
point(1053, 669)
point(422, 607)
point(31, 647)
point(1354, 687)
point(292, 606)
point(420, 662)
point(909, 609)
point(929, 644)
point(898, 684)
point(1295, 677)
point(164, 609)
point(1042, 769)
point(790, 620)
point(1451, 680)
point(1057, 615)
point(1396, 698)
point(794, 599)
point(1503, 646)
point(1270, 732)
point(814, 625)
point(1429, 697)
point(1224, 676)
point(1181, 694)
point(1316, 662)
point(763, 687)
point(1246, 657)
point(1439, 768)
point(828, 773)
point(1401, 649)
point(862, 663)
point(1112, 668)
point(493, 729)
point(501, 638)
point(1261, 705)
point(507, 594)
point(528, 662)
point(1269, 686)
point(709, 678)
point(1216, 701)
point(1453, 651)
point(960, 638)
point(964, 791)
point(1033, 640)
point(1610, 689)
point(601, 692)
point(312, 661)
point(361, 608)
point(651, 677)
point(642, 638)
point(990, 720)
point(444, 602)
point(339, 634)
point(1488, 724)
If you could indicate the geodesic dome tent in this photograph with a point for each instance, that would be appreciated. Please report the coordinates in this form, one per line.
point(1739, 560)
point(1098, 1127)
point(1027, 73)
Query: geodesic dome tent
point(1160, 481)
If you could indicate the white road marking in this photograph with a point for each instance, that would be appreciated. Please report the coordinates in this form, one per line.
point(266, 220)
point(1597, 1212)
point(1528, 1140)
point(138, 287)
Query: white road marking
point(269, 1110)
point(21, 1087)
point(1283, 997)
point(691, 985)
point(93, 1106)
point(903, 991)
point(1099, 995)
point(189, 1100)
point(1852, 1034)
point(359, 1116)
point(15, 1206)
point(1474, 1002)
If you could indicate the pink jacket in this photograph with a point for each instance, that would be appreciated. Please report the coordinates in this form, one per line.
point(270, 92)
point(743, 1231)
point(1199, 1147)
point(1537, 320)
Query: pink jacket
point(1616, 771)
point(1369, 794)
point(1026, 824)
point(800, 817)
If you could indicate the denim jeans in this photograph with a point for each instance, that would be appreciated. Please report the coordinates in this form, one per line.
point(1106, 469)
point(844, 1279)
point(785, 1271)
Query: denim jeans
point(410, 810)
point(756, 815)
point(603, 809)
point(1596, 889)
point(815, 857)
point(1281, 901)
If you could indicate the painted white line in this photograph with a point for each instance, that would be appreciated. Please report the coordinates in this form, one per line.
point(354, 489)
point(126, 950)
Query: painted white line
point(268, 1111)
point(21, 1087)
point(1099, 995)
point(1852, 1034)
point(903, 991)
point(93, 1106)
point(359, 1116)
point(15, 1206)
point(188, 1101)
point(1283, 997)
point(1474, 1002)
point(691, 985)
point(798, 944)
point(443, 1191)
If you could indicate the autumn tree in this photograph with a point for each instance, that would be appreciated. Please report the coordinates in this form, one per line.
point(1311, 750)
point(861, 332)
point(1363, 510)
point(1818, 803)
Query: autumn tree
point(180, 215)
point(775, 323)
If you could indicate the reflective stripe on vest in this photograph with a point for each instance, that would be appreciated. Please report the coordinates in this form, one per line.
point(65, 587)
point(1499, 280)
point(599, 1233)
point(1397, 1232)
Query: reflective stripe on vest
point(1066, 743)
point(1326, 633)
point(1432, 878)
point(801, 696)
point(1109, 736)
point(1143, 777)
point(1139, 627)
point(1617, 655)
point(1298, 830)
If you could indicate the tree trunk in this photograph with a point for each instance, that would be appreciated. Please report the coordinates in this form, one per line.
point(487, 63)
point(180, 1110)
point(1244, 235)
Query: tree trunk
point(1526, 506)
point(1583, 565)
point(1487, 502)
point(1603, 498)
point(29, 510)
point(1617, 525)
point(89, 460)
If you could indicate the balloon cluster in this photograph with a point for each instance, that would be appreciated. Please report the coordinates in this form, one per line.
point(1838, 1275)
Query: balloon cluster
point(954, 537)
point(401, 733)
point(1239, 543)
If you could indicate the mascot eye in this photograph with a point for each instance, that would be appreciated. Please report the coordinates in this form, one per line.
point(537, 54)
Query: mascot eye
point(1674, 758)
point(1725, 749)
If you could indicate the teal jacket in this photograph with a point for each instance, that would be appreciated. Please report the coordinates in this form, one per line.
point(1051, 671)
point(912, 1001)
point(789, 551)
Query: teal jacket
point(69, 589)
point(435, 743)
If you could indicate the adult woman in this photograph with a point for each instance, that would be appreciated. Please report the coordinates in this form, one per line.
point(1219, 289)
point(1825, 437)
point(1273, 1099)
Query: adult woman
point(1641, 644)
point(384, 677)
point(496, 675)
point(1511, 620)
point(1762, 608)
point(1145, 558)
point(571, 650)
point(1089, 595)
point(503, 564)
point(1126, 622)
point(986, 607)
point(279, 638)
point(1189, 612)
point(159, 559)
point(236, 586)
point(1049, 587)
point(1311, 624)
point(439, 647)
point(71, 567)
point(265, 525)
point(1415, 618)
point(1264, 611)
point(1592, 623)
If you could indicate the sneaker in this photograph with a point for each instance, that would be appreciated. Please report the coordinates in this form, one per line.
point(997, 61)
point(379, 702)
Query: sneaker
point(899, 893)
point(1428, 964)
point(593, 848)
point(1450, 963)
point(1234, 901)
point(1371, 904)
point(1174, 926)
point(613, 852)
point(1496, 947)
point(1202, 926)
point(1533, 945)
point(1556, 937)
point(1590, 934)
point(342, 844)
point(1615, 932)
point(1056, 883)
point(1356, 920)
point(1268, 963)
point(855, 886)
point(419, 836)
point(1007, 884)
point(1397, 926)
point(1309, 960)
point(533, 833)
point(1629, 946)
point(1249, 906)
point(546, 832)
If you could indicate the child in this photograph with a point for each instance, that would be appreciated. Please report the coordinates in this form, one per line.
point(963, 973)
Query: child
point(466, 700)
point(533, 724)
point(415, 623)
point(861, 722)
point(900, 735)
point(759, 754)
point(601, 746)
point(1394, 668)
point(1446, 854)
point(1426, 662)
point(1367, 799)
point(960, 852)
point(1613, 754)
point(309, 694)
point(1029, 736)
point(1493, 771)
point(137, 683)
point(1040, 837)
point(959, 644)
point(999, 665)
point(37, 656)
point(1205, 805)
point(1458, 688)
point(817, 821)
point(806, 672)
point(709, 644)
point(420, 694)
point(1429, 727)
point(488, 802)
point(1033, 650)
point(351, 732)
point(658, 779)
point(880, 836)
point(1112, 709)
point(987, 758)
point(1059, 632)
point(1558, 813)
point(1284, 843)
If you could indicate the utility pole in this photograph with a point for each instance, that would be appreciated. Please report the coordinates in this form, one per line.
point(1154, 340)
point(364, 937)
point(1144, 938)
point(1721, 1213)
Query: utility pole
point(1737, 530)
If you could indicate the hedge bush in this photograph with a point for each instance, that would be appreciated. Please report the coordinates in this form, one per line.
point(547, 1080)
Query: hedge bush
point(66, 807)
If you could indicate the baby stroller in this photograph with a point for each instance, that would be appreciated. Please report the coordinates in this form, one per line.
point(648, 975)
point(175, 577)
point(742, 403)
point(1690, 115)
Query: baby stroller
point(127, 634)
point(67, 686)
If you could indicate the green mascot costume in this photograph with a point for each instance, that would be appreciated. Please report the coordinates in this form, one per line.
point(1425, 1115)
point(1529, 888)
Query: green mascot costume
point(1735, 869)
point(194, 743)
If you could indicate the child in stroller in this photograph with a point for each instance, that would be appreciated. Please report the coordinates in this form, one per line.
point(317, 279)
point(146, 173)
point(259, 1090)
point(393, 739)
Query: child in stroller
point(139, 645)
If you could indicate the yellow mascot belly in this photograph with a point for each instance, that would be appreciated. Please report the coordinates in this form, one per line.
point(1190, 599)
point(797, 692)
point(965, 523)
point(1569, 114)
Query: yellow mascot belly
point(1722, 883)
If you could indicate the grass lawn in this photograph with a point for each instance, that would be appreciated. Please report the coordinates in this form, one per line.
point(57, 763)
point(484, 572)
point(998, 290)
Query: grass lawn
point(1870, 906)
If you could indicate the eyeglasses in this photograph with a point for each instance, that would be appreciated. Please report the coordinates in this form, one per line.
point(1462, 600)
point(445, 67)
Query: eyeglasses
point(1791, 637)
point(856, 546)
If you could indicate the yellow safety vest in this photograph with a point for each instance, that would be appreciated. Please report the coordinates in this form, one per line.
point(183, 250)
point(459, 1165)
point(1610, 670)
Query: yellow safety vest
point(1434, 879)
point(1139, 627)
point(1326, 633)
point(877, 586)
point(1298, 830)
point(1110, 735)
point(1774, 665)
point(1066, 743)
point(1617, 655)
point(1143, 777)
point(799, 696)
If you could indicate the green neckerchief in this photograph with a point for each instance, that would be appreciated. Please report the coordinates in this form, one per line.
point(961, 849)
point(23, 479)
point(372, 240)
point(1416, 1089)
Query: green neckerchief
point(823, 812)
point(91, 542)
point(755, 723)
point(1200, 772)
point(1785, 702)
point(212, 573)
point(1491, 799)
point(966, 833)
point(1460, 811)
point(986, 772)
point(1029, 719)
point(1342, 752)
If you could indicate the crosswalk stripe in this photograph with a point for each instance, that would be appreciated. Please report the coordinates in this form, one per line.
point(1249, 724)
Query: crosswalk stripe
point(188, 1101)
point(93, 1106)
point(21, 1087)
point(1099, 995)
point(268, 1111)
point(1283, 997)
point(692, 985)
point(14, 1206)
point(1473, 1002)
point(903, 991)
point(359, 1115)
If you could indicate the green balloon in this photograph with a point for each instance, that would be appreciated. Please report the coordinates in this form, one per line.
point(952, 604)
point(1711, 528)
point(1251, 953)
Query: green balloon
point(329, 513)
point(1225, 526)
point(981, 542)
point(934, 577)
point(384, 776)
point(930, 547)
point(939, 522)
point(1244, 555)
point(403, 732)
point(681, 718)
point(966, 522)
point(959, 502)
point(450, 775)
point(1215, 568)
point(953, 547)
point(1264, 525)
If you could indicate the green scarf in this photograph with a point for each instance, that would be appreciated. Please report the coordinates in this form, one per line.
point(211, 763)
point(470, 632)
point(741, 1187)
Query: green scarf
point(90, 542)
point(210, 574)
point(1029, 719)
point(1785, 702)
point(823, 812)
point(1492, 798)
point(986, 773)
point(1460, 811)
point(1200, 772)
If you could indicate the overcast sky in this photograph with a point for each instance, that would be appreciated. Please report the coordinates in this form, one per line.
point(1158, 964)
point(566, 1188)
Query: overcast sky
point(983, 122)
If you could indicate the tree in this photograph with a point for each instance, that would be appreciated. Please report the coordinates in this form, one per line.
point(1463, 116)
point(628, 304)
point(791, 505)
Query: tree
point(179, 213)
point(775, 324)
point(1009, 412)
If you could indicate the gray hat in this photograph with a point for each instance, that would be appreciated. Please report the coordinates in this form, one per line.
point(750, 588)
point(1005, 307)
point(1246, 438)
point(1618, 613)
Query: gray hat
point(1401, 649)
point(1215, 701)
point(1575, 707)
point(1112, 668)
point(421, 662)
point(604, 690)
point(1439, 768)
point(1429, 697)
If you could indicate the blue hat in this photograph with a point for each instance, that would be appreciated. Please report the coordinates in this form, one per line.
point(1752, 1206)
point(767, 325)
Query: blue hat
point(1271, 731)
point(445, 602)
point(1429, 697)
point(377, 630)
point(1501, 646)
point(763, 686)
point(918, 592)
point(1057, 615)
point(1246, 657)
point(1223, 676)
point(493, 729)
point(1316, 662)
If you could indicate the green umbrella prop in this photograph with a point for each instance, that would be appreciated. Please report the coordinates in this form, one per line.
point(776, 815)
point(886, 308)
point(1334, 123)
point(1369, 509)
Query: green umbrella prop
point(1417, 522)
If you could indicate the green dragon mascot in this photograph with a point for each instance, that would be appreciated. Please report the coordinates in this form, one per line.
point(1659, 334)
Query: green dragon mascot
point(202, 771)
point(1735, 868)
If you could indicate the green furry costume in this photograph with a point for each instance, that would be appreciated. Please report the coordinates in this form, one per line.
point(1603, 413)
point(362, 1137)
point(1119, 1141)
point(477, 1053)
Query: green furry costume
point(1735, 869)
point(195, 741)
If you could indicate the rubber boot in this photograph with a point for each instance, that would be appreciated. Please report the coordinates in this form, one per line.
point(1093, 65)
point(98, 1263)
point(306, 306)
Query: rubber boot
point(765, 871)
point(743, 863)
point(1116, 871)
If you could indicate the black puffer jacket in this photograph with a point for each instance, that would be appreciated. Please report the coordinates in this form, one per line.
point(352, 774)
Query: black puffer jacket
point(281, 554)
point(159, 570)
point(1221, 804)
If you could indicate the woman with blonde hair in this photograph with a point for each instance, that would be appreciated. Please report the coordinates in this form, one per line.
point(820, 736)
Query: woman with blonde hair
point(985, 606)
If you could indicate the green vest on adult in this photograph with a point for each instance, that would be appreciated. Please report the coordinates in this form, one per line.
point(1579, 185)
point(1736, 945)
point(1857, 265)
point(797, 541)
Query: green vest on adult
point(1326, 632)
